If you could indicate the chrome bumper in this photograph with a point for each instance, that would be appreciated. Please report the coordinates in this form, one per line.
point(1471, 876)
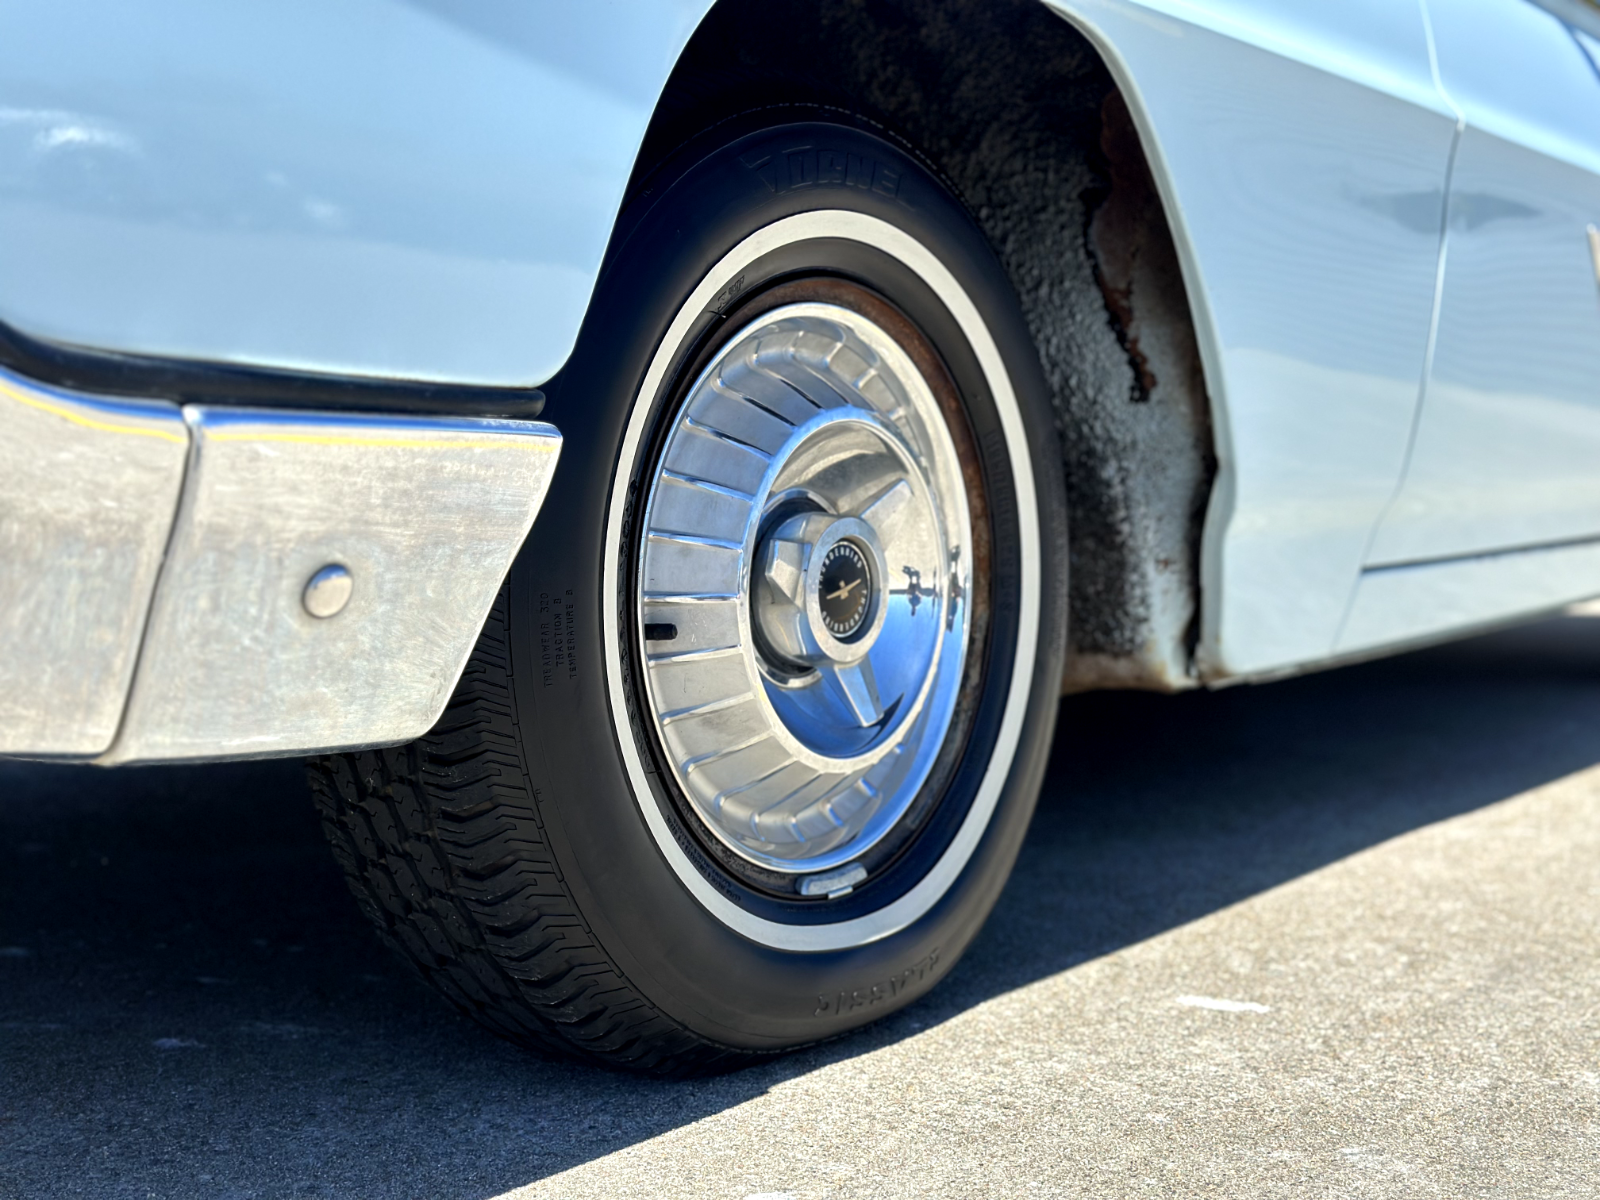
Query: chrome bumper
point(154, 563)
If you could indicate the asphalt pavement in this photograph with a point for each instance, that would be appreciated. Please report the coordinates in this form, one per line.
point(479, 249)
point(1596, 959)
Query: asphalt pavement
point(1335, 936)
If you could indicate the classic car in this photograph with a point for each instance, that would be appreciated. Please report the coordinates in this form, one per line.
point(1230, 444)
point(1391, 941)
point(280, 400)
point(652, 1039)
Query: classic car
point(662, 461)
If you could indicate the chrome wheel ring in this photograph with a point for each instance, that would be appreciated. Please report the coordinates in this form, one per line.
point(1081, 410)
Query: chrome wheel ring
point(801, 597)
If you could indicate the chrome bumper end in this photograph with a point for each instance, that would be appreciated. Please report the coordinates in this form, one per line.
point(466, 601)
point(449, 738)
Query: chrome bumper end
point(154, 564)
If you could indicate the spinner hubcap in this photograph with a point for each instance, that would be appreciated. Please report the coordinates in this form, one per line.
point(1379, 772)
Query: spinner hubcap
point(801, 590)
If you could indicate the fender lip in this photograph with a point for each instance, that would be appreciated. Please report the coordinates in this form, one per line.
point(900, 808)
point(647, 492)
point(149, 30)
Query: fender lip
point(193, 381)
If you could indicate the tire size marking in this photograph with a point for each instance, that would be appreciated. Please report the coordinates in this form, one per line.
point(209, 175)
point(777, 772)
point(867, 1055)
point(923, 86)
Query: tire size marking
point(877, 993)
point(558, 638)
point(726, 296)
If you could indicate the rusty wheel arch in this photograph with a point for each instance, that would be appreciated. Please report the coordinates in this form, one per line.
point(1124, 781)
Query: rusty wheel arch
point(1015, 109)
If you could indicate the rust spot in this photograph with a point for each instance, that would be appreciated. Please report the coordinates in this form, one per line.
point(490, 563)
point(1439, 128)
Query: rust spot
point(1117, 233)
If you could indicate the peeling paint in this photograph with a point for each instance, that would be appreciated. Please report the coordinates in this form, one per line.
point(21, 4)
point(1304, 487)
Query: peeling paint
point(1160, 436)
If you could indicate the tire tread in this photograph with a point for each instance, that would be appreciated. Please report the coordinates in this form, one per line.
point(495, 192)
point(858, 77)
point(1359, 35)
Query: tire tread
point(442, 843)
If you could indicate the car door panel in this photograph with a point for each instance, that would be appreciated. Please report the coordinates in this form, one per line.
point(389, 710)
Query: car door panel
point(1509, 433)
point(1499, 510)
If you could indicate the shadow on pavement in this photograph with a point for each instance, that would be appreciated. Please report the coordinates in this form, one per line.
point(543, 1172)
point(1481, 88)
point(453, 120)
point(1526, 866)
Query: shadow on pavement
point(190, 1004)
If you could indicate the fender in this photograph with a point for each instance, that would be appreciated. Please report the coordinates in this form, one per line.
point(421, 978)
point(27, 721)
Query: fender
point(418, 191)
point(1301, 152)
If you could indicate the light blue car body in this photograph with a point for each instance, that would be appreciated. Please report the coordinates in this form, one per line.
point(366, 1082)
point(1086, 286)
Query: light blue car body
point(416, 189)
point(424, 189)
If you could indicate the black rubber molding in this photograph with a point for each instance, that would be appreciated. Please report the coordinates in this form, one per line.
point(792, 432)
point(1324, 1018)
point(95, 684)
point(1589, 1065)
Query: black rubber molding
point(188, 381)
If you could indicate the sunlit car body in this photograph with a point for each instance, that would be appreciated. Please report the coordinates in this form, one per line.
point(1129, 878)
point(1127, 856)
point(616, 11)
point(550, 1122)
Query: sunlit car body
point(280, 288)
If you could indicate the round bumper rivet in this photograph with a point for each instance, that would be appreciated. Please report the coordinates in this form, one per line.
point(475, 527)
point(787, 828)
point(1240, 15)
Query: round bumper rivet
point(328, 591)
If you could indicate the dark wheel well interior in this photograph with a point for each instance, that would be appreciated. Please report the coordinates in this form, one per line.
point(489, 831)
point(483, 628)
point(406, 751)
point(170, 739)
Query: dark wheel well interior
point(1015, 109)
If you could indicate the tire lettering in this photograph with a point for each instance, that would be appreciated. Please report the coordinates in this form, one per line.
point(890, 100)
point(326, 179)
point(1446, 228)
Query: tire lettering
point(876, 993)
point(808, 166)
point(558, 638)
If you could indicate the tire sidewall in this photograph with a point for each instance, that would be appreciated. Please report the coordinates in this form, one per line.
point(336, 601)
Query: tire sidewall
point(693, 967)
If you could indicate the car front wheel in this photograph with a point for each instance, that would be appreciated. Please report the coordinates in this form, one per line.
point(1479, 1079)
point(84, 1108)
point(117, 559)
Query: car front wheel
point(753, 734)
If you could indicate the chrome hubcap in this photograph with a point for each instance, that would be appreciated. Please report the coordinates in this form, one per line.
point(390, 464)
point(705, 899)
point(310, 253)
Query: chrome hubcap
point(802, 584)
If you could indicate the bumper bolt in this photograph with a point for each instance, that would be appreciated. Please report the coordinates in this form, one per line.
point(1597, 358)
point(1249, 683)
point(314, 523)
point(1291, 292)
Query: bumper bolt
point(328, 591)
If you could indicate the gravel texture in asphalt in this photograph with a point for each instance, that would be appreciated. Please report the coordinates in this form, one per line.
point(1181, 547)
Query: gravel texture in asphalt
point(1330, 937)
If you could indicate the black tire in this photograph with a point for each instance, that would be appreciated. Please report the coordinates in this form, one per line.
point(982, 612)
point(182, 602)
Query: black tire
point(506, 854)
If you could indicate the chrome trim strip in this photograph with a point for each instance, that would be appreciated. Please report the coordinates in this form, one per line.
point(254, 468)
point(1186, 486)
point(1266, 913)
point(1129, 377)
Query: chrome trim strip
point(1444, 560)
point(88, 488)
point(425, 513)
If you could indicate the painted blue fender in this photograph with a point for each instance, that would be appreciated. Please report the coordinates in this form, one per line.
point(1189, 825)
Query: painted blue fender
point(1301, 151)
point(403, 188)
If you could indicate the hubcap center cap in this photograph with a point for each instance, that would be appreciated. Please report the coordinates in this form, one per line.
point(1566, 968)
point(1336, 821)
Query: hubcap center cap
point(844, 590)
point(818, 599)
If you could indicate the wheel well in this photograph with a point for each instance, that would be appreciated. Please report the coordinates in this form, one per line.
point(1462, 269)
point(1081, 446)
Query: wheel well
point(1015, 109)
